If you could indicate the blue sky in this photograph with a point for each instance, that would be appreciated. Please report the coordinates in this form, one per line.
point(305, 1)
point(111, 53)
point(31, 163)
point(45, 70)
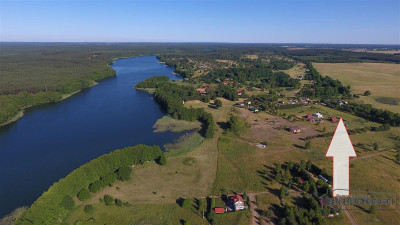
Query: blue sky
point(269, 21)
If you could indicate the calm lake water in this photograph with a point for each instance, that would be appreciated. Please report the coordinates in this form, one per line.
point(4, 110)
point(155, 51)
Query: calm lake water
point(52, 140)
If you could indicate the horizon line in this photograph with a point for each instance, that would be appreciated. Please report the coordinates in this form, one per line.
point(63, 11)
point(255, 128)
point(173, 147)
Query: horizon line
point(198, 42)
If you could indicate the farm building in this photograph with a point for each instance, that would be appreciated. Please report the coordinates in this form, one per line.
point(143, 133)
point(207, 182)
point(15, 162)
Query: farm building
point(333, 119)
point(207, 85)
point(219, 210)
point(294, 130)
point(236, 202)
point(239, 92)
point(240, 103)
point(309, 116)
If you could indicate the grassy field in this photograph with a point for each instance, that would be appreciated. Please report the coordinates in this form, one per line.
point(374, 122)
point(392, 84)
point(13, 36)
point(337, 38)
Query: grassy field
point(227, 164)
point(297, 70)
point(167, 123)
point(183, 145)
point(141, 214)
point(381, 79)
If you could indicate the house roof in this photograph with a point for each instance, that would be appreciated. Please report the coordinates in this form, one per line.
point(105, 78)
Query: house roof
point(333, 119)
point(236, 198)
point(201, 90)
point(309, 116)
point(219, 210)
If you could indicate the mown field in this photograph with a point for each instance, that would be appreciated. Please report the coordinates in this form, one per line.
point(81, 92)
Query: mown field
point(381, 79)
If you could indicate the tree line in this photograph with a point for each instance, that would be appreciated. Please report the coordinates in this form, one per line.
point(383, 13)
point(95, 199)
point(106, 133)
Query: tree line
point(274, 79)
point(152, 82)
point(369, 112)
point(47, 209)
point(322, 86)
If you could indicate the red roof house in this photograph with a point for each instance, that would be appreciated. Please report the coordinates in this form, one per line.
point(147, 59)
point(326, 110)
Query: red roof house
point(309, 116)
point(201, 90)
point(238, 202)
point(239, 92)
point(333, 119)
point(219, 210)
point(207, 85)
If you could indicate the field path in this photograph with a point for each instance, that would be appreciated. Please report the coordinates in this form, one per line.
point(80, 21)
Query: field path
point(348, 214)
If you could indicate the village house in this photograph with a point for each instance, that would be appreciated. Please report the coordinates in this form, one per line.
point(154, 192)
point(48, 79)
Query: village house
point(334, 119)
point(309, 116)
point(294, 130)
point(239, 92)
point(236, 202)
point(240, 103)
point(201, 90)
point(207, 85)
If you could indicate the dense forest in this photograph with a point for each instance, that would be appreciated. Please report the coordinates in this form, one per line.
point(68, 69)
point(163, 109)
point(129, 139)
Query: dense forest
point(49, 208)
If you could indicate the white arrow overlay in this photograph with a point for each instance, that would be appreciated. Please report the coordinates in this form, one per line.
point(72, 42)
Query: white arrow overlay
point(341, 149)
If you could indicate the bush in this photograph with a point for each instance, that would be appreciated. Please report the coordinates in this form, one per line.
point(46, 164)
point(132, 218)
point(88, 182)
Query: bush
point(307, 145)
point(187, 223)
point(118, 202)
point(218, 103)
point(124, 173)
point(67, 202)
point(367, 93)
point(89, 209)
point(162, 160)
point(83, 194)
point(186, 203)
point(108, 199)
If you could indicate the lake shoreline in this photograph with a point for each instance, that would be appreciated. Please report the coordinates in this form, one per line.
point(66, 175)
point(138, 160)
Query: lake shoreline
point(21, 112)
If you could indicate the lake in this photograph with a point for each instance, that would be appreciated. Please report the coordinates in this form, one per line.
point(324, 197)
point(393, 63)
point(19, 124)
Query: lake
point(51, 140)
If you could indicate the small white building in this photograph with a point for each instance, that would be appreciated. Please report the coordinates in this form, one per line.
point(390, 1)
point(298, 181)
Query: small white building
point(318, 115)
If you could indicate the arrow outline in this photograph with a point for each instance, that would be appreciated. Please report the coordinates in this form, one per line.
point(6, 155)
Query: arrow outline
point(333, 158)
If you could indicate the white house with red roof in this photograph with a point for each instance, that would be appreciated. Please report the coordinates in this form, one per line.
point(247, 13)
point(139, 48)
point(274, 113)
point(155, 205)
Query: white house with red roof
point(237, 202)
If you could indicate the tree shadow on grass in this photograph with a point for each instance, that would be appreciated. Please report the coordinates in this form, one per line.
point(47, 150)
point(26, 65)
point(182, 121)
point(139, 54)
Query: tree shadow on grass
point(298, 146)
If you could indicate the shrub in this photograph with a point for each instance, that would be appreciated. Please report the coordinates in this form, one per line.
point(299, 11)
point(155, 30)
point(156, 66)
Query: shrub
point(89, 209)
point(218, 103)
point(118, 202)
point(108, 199)
point(186, 203)
point(307, 145)
point(83, 194)
point(162, 160)
point(124, 173)
point(67, 202)
point(367, 93)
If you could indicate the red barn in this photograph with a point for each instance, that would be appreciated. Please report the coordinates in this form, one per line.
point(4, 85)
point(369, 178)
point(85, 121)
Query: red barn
point(333, 119)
